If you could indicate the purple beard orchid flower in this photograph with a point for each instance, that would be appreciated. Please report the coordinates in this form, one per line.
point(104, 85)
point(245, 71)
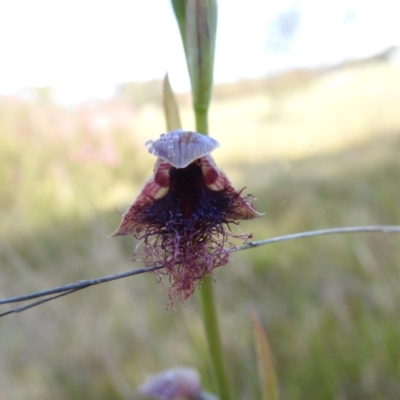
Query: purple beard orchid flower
point(182, 214)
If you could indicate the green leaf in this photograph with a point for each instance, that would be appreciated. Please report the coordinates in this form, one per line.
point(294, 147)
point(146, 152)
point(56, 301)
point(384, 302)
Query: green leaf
point(171, 109)
point(266, 370)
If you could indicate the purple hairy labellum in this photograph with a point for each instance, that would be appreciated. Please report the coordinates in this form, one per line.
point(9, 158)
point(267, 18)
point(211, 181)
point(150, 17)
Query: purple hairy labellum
point(183, 214)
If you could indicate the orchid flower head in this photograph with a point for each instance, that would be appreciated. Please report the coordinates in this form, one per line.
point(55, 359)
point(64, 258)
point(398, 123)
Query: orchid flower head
point(182, 215)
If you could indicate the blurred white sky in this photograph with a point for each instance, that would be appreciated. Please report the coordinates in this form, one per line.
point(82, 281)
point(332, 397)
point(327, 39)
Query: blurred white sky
point(83, 48)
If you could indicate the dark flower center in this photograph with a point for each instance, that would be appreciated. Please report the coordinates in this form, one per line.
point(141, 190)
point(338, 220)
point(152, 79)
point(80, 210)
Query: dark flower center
point(189, 203)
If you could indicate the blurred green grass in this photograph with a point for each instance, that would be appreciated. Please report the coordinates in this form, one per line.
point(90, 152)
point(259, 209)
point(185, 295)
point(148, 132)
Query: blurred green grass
point(316, 155)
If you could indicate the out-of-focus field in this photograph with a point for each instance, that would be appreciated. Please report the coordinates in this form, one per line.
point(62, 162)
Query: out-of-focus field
point(317, 150)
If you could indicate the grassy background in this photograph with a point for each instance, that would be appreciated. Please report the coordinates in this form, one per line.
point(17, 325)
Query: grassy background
point(318, 150)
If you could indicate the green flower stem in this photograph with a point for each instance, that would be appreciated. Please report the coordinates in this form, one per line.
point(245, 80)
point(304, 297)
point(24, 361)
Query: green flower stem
point(201, 115)
point(214, 338)
point(208, 303)
point(197, 21)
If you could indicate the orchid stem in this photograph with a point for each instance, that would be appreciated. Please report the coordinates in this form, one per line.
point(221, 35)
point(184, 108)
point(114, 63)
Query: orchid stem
point(214, 338)
point(208, 303)
point(201, 115)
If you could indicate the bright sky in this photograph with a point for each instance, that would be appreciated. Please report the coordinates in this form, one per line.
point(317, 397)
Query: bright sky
point(84, 48)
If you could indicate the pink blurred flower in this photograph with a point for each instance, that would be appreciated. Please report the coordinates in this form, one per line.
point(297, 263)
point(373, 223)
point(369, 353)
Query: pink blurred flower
point(173, 384)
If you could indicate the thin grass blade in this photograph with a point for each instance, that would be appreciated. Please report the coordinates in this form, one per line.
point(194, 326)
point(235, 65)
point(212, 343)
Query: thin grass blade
point(266, 369)
point(171, 109)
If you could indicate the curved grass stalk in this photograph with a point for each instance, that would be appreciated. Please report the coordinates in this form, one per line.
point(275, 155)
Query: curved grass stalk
point(73, 287)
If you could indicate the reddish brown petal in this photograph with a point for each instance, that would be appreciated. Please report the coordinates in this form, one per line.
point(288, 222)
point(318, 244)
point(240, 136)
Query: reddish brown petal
point(211, 173)
point(156, 187)
point(243, 209)
point(161, 178)
point(216, 180)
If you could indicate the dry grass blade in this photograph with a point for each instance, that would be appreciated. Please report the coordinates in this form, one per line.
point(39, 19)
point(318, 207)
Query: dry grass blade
point(37, 303)
point(68, 289)
point(171, 110)
point(73, 287)
point(266, 370)
point(321, 232)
